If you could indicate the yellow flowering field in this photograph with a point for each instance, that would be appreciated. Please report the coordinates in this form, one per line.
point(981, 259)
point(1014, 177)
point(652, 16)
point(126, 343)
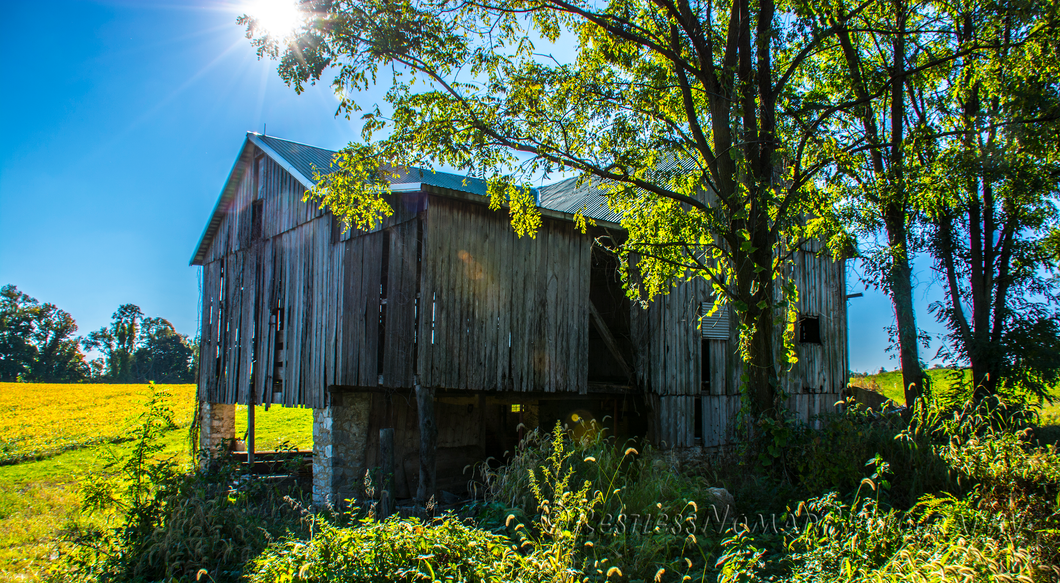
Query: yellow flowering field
point(52, 436)
point(41, 420)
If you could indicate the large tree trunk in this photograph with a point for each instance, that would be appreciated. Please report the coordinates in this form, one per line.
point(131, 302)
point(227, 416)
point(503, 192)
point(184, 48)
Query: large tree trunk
point(895, 215)
point(759, 362)
point(755, 264)
point(900, 286)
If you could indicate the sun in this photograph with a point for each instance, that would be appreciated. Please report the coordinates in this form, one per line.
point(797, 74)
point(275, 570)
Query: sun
point(276, 17)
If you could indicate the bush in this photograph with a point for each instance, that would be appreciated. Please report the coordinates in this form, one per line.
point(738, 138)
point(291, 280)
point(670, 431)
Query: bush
point(833, 458)
point(643, 516)
point(1005, 530)
point(166, 523)
point(391, 550)
point(955, 494)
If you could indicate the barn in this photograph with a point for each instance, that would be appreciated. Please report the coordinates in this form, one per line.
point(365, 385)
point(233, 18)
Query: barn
point(446, 327)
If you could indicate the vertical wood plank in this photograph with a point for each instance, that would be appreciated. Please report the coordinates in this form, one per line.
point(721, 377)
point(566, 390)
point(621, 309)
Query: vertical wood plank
point(505, 265)
point(441, 233)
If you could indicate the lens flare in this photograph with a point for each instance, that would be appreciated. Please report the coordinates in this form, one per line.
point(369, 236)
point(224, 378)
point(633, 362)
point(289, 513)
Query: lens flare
point(276, 17)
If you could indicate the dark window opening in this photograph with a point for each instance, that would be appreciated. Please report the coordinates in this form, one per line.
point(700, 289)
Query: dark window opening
point(613, 307)
point(276, 323)
point(704, 364)
point(810, 330)
point(256, 218)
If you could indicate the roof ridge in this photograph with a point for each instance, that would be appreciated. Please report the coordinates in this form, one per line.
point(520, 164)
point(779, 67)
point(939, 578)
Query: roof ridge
point(268, 137)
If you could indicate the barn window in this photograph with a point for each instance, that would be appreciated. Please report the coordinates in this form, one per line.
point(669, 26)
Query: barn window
point(716, 325)
point(810, 330)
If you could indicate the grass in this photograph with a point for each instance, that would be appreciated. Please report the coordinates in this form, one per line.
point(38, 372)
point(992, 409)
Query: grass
point(53, 436)
point(889, 384)
point(293, 425)
point(39, 500)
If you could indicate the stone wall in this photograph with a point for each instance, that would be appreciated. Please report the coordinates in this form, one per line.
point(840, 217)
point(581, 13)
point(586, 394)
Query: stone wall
point(340, 440)
point(218, 425)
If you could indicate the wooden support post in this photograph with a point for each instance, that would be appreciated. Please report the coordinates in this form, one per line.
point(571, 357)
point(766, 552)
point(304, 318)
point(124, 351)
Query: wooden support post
point(428, 443)
point(250, 431)
point(386, 460)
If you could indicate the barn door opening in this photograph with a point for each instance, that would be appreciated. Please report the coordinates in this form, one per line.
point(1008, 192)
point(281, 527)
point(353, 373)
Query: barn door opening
point(610, 346)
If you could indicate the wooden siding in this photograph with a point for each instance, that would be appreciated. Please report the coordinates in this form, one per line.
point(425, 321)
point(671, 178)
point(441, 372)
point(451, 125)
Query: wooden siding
point(667, 337)
point(293, 298)
point(822, 368)
point(819, 378)
point(669, 344)
point(445, 291)
point(502, 313)
point(305, 306)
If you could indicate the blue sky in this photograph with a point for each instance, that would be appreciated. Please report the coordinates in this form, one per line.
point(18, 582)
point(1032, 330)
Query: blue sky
point(121, 121)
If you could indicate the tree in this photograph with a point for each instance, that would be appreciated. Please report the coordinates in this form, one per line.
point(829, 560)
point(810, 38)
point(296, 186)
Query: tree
point(17, 352)
point(688, 111)
point(993, 197)
point(36, 341)
point(913, 67)
point(137, 349)
point(117, 343)
point(882, 57)
point(164, 356)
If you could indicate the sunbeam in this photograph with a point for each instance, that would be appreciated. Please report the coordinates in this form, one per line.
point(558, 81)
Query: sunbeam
point(276, 17)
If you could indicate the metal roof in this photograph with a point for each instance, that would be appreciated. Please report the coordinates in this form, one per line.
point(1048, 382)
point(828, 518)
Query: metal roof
point(440, 180)
point(567, 196)
point(302, 159)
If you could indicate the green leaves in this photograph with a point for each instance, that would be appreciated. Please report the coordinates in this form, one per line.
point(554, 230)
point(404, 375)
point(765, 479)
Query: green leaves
point(355, 188)
point(699, 120)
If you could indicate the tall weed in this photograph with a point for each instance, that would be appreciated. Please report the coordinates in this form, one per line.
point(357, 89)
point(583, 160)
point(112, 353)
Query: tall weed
point(165, 522)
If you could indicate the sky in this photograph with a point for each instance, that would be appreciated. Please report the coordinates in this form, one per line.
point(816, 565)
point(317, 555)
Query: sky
point(121, 121)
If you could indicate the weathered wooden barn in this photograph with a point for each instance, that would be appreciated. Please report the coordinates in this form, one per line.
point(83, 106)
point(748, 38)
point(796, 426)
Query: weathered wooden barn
point(507, 332)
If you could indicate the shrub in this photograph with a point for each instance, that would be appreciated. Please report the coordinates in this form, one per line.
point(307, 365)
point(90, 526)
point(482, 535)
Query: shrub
point(943, 537)
point(166, 523)
point(639, 509)
point(391, 550)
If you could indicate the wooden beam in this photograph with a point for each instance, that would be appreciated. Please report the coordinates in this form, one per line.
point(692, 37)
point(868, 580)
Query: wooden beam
point(594, 389)
point(386, 485)
point(250, 431)
point(609, 340)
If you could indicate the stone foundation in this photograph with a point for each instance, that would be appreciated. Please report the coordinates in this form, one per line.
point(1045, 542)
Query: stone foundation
point(340, 440)
point(218, 425)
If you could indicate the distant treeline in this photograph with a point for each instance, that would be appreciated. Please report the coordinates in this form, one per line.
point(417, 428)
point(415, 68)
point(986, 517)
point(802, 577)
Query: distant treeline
point(37, 344)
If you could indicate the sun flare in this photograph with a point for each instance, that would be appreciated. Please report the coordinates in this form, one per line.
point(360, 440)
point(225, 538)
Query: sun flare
point(276, 17)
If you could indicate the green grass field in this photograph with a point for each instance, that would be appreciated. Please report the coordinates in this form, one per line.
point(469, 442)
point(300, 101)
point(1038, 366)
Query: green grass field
point(889, 384)
point(54, 436)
